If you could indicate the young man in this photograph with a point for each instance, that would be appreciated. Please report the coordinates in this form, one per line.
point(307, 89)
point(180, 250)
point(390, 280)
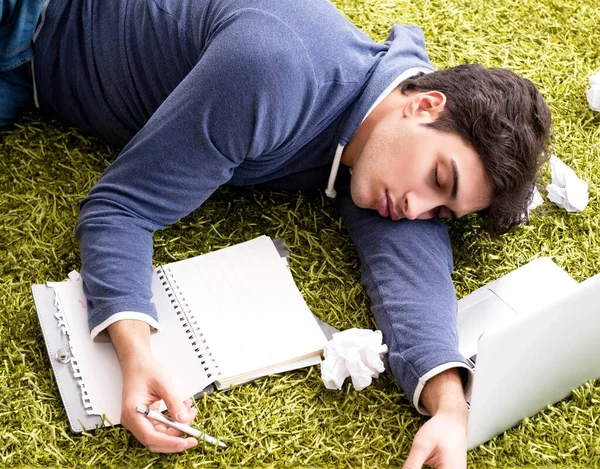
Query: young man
point(207, 93)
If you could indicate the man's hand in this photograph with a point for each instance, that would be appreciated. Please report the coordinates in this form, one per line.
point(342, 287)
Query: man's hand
point(442, 441)
point(146, 382)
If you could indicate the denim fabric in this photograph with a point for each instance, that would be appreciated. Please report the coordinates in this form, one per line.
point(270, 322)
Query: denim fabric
point(16, 93)
point(18, 20)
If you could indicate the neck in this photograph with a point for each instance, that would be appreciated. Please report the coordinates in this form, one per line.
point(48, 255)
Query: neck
point(358, 141)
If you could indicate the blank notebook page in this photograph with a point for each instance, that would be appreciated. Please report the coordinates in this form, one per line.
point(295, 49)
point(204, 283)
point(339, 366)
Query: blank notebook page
point(248, 307)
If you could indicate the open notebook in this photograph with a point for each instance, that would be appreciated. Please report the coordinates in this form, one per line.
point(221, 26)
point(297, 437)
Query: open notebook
point(226, 317)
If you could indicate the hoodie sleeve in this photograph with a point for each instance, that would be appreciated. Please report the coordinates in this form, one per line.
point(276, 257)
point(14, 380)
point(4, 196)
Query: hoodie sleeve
point(237, 104)
point(406, 271)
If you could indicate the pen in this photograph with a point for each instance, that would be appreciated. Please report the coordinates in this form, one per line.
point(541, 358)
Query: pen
point(182, 427)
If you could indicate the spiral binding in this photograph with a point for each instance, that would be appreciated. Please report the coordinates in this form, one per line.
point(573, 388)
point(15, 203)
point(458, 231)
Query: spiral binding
point(189, 323)
point(64, 328)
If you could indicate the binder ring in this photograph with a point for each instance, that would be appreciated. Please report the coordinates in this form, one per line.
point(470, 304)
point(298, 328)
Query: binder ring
point(62, 356)
point(188, 322)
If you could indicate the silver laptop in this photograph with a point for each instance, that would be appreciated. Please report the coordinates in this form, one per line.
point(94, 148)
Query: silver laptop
point(532, 337)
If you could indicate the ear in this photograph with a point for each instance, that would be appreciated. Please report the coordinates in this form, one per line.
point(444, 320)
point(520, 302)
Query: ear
point(427, 104)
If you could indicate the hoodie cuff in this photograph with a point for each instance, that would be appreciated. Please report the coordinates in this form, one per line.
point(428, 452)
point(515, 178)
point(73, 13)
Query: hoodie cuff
point(467, 381)
point(100, 334)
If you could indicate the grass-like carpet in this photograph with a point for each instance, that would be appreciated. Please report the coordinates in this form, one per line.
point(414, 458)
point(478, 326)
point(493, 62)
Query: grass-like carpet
point(291, 420)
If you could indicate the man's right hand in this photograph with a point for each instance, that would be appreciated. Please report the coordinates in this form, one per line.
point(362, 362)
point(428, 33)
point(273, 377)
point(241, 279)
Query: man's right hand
point(146, 382)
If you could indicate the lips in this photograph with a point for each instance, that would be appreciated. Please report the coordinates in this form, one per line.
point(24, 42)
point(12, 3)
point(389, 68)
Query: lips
point(392, 208)
point(384, 206)
point(387, 207)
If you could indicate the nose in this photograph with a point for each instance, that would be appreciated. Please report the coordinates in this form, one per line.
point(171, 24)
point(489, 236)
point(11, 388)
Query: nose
point(417, 207)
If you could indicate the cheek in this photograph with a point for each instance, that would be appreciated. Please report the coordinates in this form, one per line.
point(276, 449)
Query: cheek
point(408, 172)
point(409, 161)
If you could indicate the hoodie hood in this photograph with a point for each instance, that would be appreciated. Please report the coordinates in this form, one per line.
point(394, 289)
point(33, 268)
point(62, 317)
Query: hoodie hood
point(406, 51)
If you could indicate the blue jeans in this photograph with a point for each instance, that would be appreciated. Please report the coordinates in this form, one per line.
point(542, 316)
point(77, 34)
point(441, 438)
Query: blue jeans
point(18, 21)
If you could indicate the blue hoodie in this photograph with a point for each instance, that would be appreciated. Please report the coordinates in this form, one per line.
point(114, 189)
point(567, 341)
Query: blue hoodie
point(207, 93)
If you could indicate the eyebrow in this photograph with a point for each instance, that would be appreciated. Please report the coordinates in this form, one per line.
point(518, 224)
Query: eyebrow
point(454, 192)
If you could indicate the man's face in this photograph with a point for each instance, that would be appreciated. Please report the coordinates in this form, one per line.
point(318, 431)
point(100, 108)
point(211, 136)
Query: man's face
point(404, 169)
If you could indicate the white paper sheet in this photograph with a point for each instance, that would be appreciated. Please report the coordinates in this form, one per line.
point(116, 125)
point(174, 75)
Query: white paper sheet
point(593, 92)
point(250, 309)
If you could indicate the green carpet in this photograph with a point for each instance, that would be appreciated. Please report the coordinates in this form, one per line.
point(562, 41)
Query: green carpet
point(292, 420)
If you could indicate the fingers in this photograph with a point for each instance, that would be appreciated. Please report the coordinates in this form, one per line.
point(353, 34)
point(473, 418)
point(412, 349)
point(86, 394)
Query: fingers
point(419, 454)
point(178, 409)
point(176, 443)
point(440, 443)
point(172, 431)
point(186, 444)
point(157, 438)
point(146, 382)
point(154, 435)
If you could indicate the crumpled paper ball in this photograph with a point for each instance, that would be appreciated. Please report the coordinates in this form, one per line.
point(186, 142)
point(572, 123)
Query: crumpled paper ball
point(536, 200)
point(567, 190)
point(357, 353)
point(593, 92)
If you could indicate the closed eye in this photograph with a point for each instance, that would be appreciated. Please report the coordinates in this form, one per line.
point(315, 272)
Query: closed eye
point(436, 181)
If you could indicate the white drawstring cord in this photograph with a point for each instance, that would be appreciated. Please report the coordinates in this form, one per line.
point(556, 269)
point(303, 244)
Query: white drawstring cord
point(330, 191)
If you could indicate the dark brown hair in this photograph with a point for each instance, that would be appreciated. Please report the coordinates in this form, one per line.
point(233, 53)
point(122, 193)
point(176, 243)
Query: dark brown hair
point(505, 119)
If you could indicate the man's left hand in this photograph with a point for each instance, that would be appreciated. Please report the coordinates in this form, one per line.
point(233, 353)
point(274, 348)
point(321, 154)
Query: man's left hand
point(441, 442)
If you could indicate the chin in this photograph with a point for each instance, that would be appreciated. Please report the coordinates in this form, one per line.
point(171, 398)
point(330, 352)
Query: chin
point(360, 197)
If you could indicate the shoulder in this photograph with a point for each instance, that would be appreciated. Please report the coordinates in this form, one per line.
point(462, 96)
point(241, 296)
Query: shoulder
point(313, 35)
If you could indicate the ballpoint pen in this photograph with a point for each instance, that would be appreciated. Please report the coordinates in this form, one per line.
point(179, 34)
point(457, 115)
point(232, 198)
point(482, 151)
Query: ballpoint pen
point(182, 427)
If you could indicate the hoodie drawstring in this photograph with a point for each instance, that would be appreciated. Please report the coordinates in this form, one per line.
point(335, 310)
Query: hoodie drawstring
point(330, 191)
